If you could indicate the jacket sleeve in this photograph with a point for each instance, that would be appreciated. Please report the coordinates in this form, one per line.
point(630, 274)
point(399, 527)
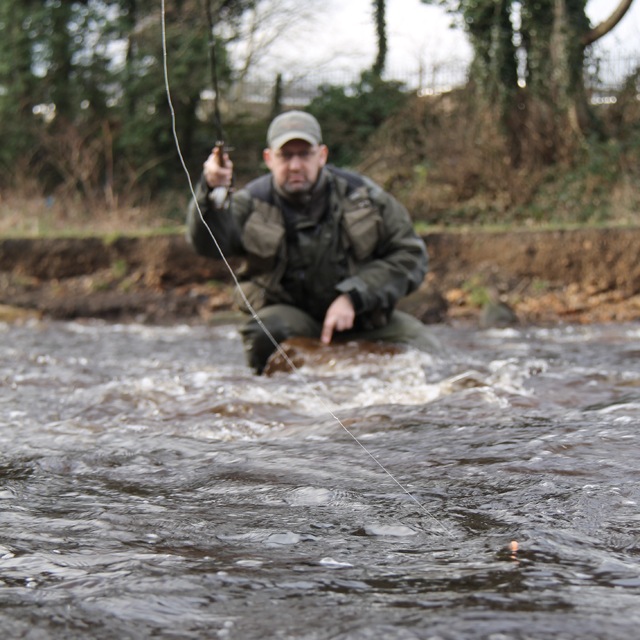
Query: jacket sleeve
point(398, 265)
point(211, 229)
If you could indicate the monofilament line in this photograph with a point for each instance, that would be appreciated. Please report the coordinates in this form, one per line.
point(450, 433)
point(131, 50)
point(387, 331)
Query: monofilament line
point(253, 312)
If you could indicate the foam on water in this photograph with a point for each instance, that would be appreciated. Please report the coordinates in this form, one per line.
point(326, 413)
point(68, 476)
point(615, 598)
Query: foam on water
point(151, 485)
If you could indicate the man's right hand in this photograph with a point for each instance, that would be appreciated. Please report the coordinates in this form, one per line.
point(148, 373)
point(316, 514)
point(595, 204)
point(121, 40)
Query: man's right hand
point(218, 169)
point(339, 317)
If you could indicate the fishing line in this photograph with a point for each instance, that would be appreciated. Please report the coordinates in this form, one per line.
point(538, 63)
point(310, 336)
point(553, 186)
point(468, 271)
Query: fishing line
point(304, 381)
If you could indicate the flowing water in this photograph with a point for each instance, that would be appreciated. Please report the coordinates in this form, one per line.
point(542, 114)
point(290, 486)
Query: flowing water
point(151, 486)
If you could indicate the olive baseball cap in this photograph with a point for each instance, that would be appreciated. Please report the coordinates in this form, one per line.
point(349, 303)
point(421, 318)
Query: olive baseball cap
point(293, 125)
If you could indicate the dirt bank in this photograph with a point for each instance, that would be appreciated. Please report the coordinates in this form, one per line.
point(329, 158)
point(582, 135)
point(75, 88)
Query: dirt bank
point(545, 277)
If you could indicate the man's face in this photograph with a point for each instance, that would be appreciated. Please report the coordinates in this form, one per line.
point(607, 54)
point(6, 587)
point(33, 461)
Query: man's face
point(296, 165)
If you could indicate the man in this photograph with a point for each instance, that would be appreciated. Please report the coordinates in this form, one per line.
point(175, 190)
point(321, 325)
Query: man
point(328, 252)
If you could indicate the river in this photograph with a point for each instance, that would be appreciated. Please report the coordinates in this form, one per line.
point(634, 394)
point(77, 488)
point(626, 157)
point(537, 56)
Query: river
point(151, 486)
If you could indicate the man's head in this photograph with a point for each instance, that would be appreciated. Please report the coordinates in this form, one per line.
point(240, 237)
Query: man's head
point(295, 154)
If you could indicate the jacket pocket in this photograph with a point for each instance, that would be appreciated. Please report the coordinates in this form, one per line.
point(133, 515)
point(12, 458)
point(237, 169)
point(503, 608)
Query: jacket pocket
point(362, 227)
point(262, 237)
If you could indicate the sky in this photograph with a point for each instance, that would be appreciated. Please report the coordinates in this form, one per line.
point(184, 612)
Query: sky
point(343, 36)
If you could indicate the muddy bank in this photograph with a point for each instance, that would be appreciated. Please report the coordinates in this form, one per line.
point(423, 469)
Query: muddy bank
point(584, 275)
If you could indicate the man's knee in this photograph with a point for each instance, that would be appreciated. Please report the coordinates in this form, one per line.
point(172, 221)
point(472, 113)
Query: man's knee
point(415, 333)
point(276, 323)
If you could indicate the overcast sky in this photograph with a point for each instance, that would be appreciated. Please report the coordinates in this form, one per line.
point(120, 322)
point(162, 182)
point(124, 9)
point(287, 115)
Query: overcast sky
point(344, 36)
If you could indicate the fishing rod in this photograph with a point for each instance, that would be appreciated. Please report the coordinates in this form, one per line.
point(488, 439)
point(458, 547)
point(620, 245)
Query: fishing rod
point(213, 68)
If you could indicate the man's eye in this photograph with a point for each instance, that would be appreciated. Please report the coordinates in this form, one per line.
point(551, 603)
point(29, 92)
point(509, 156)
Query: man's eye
point(287, 156)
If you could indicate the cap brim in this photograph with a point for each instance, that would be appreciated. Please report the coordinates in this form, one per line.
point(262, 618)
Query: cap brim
point(280, 141)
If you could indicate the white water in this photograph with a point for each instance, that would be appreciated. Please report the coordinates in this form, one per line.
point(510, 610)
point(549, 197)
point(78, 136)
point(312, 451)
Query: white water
point(152, 486)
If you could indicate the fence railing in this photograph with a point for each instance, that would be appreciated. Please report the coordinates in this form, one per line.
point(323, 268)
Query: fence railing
point(603, 77)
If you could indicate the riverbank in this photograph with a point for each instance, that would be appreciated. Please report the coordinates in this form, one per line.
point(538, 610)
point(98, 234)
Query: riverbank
point(536, 277)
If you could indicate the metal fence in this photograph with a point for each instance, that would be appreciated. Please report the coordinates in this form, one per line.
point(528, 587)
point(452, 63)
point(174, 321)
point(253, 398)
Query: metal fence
point(300, 90)
point(606, 76)
point(603, 77)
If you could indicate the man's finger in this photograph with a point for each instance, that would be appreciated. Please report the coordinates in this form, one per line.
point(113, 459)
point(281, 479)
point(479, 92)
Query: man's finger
point(327, 330)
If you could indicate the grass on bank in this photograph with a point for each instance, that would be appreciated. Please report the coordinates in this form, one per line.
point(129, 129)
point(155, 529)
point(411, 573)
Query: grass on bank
point(33, 217)
point(36, 216)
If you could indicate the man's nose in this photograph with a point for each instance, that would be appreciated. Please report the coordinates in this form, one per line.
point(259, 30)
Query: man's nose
point(295, 162)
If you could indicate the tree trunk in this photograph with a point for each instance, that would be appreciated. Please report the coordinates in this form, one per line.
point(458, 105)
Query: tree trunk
point(60, 64)
point(379, 12)
point(567, 60)
point(558, 113)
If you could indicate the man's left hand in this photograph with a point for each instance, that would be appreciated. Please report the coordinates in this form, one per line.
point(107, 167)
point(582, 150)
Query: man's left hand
point(339, 317)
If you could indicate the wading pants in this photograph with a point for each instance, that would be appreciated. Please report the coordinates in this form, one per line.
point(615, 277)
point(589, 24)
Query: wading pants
point(284, 321)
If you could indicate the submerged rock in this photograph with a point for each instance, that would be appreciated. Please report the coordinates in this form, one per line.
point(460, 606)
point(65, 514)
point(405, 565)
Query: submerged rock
point(497, 314)
point(302, 351)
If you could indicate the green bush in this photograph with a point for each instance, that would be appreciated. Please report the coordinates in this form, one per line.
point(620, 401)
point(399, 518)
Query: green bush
point(350, 115)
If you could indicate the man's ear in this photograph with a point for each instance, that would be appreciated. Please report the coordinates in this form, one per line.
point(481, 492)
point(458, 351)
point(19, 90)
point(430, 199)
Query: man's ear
point(323, 150)
point(267, 156)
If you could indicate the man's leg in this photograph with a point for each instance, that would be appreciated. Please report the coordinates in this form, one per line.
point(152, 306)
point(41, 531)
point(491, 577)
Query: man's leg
point(282, 321)
point(402, 328)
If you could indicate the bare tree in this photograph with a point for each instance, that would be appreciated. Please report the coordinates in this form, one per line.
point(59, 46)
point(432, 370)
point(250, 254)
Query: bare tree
point(267, 24)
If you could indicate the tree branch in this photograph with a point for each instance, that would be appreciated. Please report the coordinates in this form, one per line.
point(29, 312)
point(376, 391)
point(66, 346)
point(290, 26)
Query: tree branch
point(607, 25)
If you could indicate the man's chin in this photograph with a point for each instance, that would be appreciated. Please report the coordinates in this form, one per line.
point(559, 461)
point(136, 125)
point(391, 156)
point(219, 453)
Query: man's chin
point(297, 188)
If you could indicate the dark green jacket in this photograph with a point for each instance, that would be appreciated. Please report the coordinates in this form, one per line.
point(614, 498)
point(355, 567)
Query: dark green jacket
point(364, 245)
